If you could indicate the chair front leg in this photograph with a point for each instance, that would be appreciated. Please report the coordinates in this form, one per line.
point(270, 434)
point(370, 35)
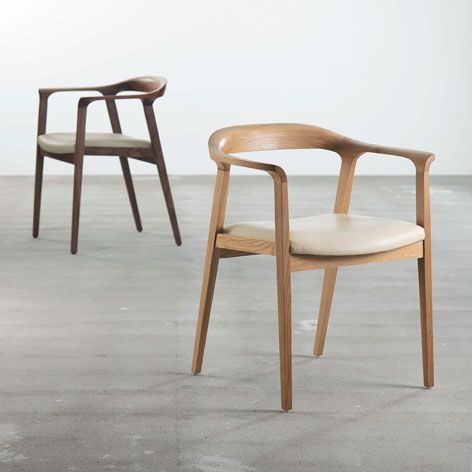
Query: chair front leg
point(38, 180)
point(284, 295)
point(426, 306)
point(38, 185)
point(423, 218)
point(78, 168)
point(284, 303)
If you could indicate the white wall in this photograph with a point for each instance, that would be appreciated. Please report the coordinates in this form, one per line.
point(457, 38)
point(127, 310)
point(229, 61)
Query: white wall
point(395, 72)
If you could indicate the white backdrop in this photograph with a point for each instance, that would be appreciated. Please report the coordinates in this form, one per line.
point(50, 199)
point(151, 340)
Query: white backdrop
point(395, 72)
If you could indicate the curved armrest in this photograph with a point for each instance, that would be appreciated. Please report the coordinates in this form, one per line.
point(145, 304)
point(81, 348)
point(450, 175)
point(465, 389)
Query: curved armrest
point(102, 89)
point(224, 161)
point(421, 159)
point(85, 101)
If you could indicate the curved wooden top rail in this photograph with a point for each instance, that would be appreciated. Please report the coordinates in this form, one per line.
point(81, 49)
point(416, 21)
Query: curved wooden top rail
point(150, 88)
point(279, 136)
point(268, 137)
point(152, 85)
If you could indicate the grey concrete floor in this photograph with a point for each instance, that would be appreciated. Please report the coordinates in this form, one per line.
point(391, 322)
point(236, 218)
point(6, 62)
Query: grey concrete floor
point(95, 349)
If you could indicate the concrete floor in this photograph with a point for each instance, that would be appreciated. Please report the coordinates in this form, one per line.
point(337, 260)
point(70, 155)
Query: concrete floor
point(95, 349)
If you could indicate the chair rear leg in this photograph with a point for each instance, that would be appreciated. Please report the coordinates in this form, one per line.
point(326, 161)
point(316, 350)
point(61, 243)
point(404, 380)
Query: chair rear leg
point(78, 167)
point(426, 306)
point(161, 168)
point(38, 185)
point(206, 299)
point(131, 194)
point(329, 282)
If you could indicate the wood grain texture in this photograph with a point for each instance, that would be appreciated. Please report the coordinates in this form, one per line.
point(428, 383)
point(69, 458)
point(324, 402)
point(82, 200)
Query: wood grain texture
point(284, 293)
point(148, 90)
point(299, 263)
point(423, 218)
point(252, 246)
point(277, 136)
point(217, 220)
point(264, 137)
point(327, 292)
point(343, 197)
point(227, 253)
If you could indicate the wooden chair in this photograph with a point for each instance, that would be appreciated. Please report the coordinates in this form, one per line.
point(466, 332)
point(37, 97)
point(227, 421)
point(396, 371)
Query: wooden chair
point(320, 242)
point(71, 147)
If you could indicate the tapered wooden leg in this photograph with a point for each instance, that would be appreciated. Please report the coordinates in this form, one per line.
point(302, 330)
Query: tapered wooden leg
point(329, 282)
point(130, 188)
point(206, 298)
point(425, 282)
point(284, 302)
point(38, 185)
point(284, 294)
point(161, 167)
point(78, 167)
point(220, 197)
point(284, 290)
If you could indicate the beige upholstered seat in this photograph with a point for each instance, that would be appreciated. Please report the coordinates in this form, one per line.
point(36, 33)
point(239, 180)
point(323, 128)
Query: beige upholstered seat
point(64, 143)
point(336, 234)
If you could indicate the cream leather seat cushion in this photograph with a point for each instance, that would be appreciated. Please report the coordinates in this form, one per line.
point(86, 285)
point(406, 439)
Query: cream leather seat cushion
point(64, 143)
point(336, 235)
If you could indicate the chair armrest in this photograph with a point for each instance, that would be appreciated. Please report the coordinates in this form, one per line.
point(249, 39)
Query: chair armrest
point(45, 93)
point(281, 217)
point(49, 90)
point(85, 101)
point(224, 161)
point(421, 159)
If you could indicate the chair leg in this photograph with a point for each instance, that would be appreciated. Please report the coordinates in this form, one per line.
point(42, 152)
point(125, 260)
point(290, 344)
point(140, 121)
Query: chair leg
point(426, 306)
point(329, 282)
point(131, 194)
point(206, 299)
point(78, 166)
point(161, 168)
point(38, 185)
point(284, 302)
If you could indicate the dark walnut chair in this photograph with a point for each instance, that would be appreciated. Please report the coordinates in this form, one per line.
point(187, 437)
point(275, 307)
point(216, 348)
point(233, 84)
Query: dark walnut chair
point(72, 147)
point(315, 242)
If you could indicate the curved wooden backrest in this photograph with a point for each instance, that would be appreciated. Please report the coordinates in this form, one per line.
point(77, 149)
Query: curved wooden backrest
point(274, 136)
point(153, 86)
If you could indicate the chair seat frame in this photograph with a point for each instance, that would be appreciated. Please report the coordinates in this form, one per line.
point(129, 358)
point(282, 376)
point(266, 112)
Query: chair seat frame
point(248, 138)
point(149, 88)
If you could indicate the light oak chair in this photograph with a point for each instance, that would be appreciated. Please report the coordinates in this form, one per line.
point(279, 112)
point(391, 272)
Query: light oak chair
point(71, 147)
point(317, 242)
